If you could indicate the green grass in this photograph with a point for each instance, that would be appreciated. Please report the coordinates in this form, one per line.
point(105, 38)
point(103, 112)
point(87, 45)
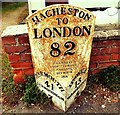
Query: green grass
point(7, 75)
point(6, 69)
point(32, 94)
point(10, 6)
point(108, 77)
point(29, 92)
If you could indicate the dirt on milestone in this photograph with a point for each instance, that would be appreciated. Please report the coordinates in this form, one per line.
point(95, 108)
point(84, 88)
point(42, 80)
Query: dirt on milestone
point(101, 101)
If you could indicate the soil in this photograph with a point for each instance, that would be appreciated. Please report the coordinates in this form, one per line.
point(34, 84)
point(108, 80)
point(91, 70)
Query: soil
point(102, 100)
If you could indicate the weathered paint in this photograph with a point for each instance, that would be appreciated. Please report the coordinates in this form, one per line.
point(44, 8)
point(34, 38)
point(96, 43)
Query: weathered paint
point(61, 38)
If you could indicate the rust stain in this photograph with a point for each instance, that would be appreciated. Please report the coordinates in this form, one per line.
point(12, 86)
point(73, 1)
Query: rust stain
point(61, 51)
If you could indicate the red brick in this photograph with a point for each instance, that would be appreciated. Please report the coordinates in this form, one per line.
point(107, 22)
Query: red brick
point(96, 44)
point(95, 51)
point(8, 40)
point(19, 78)
point(115, 56)
point(15, 49)
point(105, 51)
point(108, 43)
point(100, 58)
point(15, 71)
point(26, 57)
point(23, 39)
point(14, 58)
point(24, 71)
point(28, 51)
point(22, 65)
point(105, 65)
point(95, 71)
point(115, 50)
point(117, 42)
point(93, 66)
point(29, 71)
point(101, 44)
point(110, 50)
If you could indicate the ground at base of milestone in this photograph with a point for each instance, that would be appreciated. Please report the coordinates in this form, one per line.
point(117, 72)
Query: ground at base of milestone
point(101, 101)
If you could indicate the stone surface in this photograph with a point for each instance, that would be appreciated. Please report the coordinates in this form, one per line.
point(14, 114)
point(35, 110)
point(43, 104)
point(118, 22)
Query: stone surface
point(61, 46)
point(102, 32)
point(15, 30)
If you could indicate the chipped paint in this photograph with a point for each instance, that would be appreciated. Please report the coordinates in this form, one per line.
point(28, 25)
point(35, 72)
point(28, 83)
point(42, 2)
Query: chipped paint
point(61, 38)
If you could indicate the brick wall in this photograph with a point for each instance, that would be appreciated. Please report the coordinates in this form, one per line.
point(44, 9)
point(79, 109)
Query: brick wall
point(19, 54)
point(105, 52)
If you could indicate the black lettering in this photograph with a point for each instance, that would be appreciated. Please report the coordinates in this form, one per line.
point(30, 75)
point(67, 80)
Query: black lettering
point(70, 11)
point(55, 51)
point(75, 11)
point(62, 90)
point(47, 32)
point(35, 32)
point(63, 32)
point(66, 31)
point(86, 29)
point(35, 19)
point(53, 79)
point(59, 19)
point(60, 87)
point(77, 31)
point(51, 91)
point(87, 17)
point(63, 10)
point(41, 73)
point(76, 89)
point(71, 84)
point(58, 83)
point(45, 74)
point(65, 20)
point(42, 16)
point(47, 84)
point(81, 14)
point(70, 45)
point(48, 13)
point(77, 74)
point(77, 82)
point(55, 11)
point(55, 30)
point(52, 87)
point(80, 72)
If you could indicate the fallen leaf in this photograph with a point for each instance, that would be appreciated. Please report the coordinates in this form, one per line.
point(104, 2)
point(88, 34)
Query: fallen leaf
point(114, 100)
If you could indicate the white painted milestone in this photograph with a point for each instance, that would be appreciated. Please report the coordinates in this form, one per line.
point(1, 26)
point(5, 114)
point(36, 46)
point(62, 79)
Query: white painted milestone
point(61, 38)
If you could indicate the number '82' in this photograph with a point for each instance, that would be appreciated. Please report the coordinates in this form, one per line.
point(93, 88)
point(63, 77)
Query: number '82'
point(55, 49)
